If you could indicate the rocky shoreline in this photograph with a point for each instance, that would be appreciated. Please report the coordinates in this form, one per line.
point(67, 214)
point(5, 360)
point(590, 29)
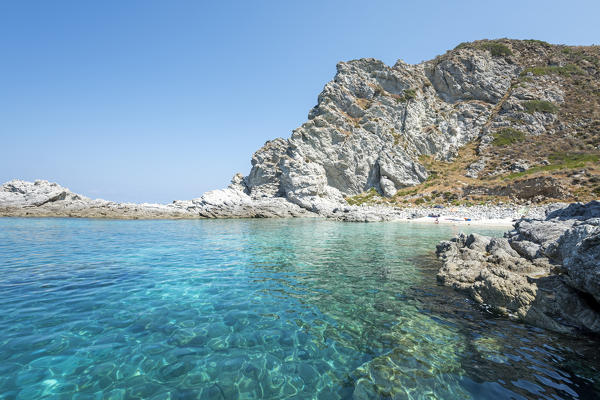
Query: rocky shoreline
point(471, 126)
point(545, 272)
point(46, 199)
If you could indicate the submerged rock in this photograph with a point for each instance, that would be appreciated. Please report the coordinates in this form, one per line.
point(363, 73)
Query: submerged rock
point(545, 272)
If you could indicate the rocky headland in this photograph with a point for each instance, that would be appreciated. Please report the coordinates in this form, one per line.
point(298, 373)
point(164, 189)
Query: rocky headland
point(545, 272)
point(490, 121)
point(486, 130)
point(47, 199)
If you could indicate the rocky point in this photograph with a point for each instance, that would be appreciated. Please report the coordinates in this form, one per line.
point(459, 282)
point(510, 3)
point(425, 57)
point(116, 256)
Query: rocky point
point(545, 272)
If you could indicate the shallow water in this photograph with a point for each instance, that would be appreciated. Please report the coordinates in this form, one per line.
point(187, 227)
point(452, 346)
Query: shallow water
point(259, 309)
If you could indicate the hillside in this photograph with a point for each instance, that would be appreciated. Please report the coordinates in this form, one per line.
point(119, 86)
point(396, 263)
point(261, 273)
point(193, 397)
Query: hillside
point(489, 121)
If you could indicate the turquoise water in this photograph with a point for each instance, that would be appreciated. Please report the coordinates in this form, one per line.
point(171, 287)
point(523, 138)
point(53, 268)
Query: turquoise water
point(258, 309)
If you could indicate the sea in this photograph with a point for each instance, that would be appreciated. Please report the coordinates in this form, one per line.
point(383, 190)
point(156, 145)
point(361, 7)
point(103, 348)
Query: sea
point(260, 309)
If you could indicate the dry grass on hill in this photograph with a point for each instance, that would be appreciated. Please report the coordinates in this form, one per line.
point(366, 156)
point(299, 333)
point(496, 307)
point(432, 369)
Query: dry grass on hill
point(563, 165)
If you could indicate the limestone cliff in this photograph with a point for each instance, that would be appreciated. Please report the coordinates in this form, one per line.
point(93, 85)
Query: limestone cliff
point(387, 128)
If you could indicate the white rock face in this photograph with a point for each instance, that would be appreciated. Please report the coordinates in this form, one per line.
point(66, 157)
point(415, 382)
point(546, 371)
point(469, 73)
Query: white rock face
point(42, 198)
point(372, 122)
point(38, 193)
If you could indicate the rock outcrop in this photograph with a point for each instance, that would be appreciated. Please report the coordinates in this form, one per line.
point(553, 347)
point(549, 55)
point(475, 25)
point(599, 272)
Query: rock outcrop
point(46, 199)
point(374, 126)
point(545, 272)
point(372, 122)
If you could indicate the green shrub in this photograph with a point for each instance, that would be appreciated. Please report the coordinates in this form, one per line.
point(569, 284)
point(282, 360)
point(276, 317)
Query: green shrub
point(559, 161)
point(540, 106)
point(378, 91)
point(537, 71)
point(569, 69)
point(407, 95)
point(497, 49)
point(572, 160)
point(507, 136)
point(410, 94)
point(363, 198)
point(540, 42)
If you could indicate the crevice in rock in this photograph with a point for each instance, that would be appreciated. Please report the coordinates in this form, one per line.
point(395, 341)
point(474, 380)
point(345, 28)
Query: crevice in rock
point(589, 300)
point(374, 178)
point(60, 196)
point(498, 106)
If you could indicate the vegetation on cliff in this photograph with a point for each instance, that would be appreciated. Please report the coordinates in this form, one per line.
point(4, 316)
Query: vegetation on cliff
point(533, 148)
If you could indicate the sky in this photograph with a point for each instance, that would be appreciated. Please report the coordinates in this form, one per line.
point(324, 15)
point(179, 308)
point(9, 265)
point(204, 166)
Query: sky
point(152, 101)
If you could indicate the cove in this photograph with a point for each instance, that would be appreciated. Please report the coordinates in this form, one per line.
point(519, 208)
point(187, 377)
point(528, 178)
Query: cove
point(259, 309)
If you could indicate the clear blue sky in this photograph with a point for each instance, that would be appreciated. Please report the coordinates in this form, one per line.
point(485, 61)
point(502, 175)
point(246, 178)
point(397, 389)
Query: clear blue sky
point(163, 100)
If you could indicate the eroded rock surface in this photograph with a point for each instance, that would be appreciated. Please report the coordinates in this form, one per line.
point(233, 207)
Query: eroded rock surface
point(372, 122)
point(545, 272)
point(47, 199)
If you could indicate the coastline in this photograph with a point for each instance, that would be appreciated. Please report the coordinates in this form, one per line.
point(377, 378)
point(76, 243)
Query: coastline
point(466, 216)
point(499, 222)
point(46, 199)
point(496, 222)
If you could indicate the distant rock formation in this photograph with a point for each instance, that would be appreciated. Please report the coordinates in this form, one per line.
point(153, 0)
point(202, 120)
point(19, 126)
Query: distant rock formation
point(545, 272)
point(47, 199)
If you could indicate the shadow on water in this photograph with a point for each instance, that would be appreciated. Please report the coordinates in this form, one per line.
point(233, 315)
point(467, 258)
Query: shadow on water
point(500, 358)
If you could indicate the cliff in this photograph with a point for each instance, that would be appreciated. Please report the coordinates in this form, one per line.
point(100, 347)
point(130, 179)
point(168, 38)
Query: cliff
point(487, 121)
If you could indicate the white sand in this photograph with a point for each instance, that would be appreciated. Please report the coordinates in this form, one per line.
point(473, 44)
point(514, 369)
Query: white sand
point(452, 220)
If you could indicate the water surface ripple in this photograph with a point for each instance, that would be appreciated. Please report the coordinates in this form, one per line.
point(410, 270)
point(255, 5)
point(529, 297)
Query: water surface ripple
point(259, 309)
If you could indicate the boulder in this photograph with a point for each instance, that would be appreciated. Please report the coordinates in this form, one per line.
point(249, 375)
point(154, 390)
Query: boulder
point(545, 272)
